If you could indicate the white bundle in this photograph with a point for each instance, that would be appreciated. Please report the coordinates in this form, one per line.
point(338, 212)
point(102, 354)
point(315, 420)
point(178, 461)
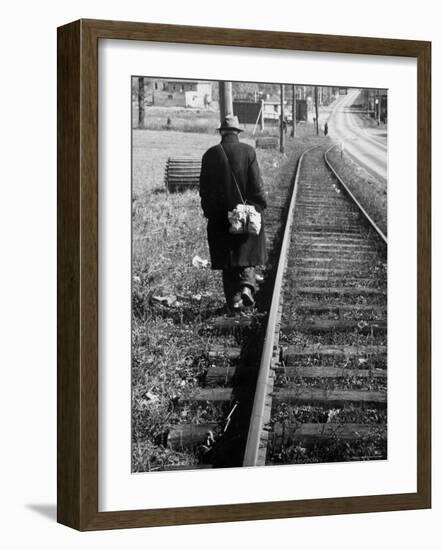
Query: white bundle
point(254, 221)
point(244, 218)
point(238, 219)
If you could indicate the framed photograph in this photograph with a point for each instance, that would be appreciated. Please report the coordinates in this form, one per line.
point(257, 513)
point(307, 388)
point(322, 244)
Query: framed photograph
point(243, 274)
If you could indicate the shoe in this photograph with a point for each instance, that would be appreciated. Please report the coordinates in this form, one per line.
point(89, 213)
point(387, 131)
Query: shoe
point(236, 297)
point(238, 305)
point(247, 296)
point(235, 308)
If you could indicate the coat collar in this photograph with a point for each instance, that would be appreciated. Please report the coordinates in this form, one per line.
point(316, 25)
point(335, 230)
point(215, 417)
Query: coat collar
point(229, 138)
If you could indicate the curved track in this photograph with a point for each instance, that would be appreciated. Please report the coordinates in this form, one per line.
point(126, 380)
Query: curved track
point(321, 393)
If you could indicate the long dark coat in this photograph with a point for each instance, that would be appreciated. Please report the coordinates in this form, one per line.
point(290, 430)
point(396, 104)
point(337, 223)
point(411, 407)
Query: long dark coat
point(219, 194)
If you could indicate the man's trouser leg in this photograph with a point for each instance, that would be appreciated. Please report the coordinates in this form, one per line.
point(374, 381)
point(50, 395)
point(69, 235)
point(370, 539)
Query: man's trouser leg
point(247, 277)
point(231, 286)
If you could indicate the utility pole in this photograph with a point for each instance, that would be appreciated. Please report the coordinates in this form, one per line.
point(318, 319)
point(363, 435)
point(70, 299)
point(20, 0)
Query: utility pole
point(262, 115)
point(141, 111)
point(379, 107)
point(281, 121)
point(225, 99)
point(293, 110)
point(316, 110)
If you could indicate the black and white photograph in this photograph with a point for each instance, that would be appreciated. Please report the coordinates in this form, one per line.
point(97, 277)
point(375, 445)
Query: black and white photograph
point(220, 248)
point(259, 274)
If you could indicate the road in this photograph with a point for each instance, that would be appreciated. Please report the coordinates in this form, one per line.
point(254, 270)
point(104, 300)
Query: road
point(365, 142)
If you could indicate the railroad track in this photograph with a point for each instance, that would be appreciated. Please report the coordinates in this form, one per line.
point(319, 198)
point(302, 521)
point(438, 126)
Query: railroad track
point(321, 393)
point(304, 380)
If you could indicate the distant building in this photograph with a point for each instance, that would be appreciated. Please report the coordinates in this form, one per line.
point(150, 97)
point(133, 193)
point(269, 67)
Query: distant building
point(272, 110)
point(178, 93)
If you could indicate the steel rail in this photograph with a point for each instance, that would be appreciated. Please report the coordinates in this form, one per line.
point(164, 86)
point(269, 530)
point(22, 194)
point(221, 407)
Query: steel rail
point(354, 199)
point(256, 421)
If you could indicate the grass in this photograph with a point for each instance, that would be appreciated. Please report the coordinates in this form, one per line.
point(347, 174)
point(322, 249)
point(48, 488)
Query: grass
point(370, 192)
point(151, 149)
point(168, 230)
point(172, 301)
point(181, 119)
point(197, 121)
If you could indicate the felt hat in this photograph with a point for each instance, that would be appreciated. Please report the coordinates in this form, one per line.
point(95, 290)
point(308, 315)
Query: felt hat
point(230, 122)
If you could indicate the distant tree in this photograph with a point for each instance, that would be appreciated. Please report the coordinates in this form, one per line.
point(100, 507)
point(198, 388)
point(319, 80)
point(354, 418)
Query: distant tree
point(141, 95)
point(254, 91)
point(135, 88)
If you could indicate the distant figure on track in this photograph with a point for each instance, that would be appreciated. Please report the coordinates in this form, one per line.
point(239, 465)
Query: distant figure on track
point(235, 254)
point(325, 128)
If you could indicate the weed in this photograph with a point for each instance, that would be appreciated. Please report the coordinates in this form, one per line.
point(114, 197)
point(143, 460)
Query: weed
point(371, 192)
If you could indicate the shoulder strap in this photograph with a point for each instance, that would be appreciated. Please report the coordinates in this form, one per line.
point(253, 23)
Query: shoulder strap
point(233, 175)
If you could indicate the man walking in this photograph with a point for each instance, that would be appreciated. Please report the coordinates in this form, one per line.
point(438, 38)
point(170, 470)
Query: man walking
point(230, 173)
